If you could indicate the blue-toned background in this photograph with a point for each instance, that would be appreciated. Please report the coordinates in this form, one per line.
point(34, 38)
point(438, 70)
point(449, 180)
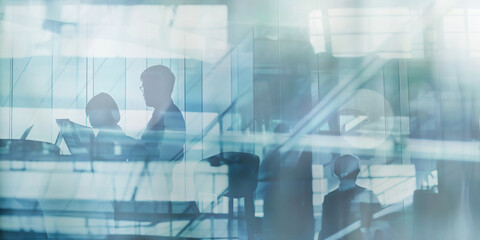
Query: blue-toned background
point(394, 83)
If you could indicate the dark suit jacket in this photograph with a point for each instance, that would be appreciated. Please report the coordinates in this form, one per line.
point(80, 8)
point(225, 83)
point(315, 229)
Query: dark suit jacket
point(342, 208)
point(166, 138)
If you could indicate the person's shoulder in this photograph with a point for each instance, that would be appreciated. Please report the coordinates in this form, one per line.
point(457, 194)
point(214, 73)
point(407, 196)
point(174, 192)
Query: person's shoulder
point(172, 108)
point(365, 195)
point(174, 118)
point(360, 189)
point(173, 112)
point(332, 194)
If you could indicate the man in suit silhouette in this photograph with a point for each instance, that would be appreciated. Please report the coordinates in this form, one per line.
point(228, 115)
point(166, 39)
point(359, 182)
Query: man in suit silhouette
point(164, 135)
point(349, 202)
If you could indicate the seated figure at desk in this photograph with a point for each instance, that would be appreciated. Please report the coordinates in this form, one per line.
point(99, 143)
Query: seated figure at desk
point(103, 114)
point(348, 203)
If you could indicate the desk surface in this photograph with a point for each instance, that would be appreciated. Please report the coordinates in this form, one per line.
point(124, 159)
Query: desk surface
point(66, 197)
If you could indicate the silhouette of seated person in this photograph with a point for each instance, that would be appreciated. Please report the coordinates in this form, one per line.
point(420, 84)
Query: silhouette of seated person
point(103, 114)
point(287, 192)
point(164, 136)
point(348, 203)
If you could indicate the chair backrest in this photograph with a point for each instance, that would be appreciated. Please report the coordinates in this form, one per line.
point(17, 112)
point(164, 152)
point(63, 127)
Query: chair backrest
point(242, 171)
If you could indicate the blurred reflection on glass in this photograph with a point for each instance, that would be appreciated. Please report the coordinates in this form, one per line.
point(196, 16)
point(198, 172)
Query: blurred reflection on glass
point(424, 124)
point(287, 192)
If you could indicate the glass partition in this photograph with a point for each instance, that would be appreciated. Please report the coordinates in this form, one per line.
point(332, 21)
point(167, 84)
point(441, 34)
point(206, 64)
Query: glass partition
point(239, 120)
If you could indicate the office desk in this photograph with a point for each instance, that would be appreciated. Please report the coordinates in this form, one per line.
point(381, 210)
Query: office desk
point(63, 195)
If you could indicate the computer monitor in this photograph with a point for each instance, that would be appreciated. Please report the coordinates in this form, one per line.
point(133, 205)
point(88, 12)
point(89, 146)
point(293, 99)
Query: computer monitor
point(78, 138)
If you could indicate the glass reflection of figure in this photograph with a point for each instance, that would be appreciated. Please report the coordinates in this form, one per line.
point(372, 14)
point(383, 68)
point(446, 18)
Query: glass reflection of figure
point(287, 192)
point(424, 124)
point(164, 136)
point(348, 203)
point(103, 114)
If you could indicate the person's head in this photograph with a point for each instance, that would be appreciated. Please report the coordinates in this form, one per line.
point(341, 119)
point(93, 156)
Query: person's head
point(157, 85)
point(347, 167)
point(102, 111)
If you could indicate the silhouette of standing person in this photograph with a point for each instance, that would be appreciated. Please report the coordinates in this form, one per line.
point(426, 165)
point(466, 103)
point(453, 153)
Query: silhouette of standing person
point(103, 114)
point(348, 203)
point(286, 186)
point(164, 136)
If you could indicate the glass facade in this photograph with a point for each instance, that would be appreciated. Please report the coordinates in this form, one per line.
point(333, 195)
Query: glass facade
point(239, 119)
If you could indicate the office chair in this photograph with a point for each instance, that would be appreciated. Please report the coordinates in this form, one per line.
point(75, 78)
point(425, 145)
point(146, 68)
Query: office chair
point(242, 182)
